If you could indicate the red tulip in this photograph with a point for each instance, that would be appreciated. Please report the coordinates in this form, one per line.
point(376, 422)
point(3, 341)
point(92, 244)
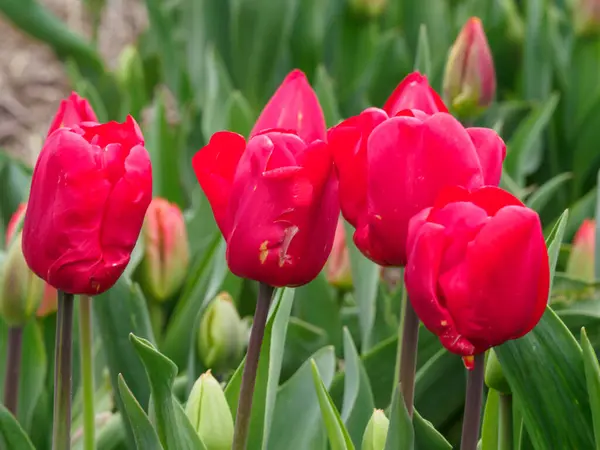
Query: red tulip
point(392, 168)
point(477, 272)
point(581, 260)
point(295, 108)
point(49, 301)
point(275, 201)
point(91, 187)
point(72, 111)
point(414, 92)
point(470, 78)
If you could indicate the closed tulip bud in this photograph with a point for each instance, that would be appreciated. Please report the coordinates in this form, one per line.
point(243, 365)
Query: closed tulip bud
point(414, 92)
point(221, 338)
point(376, 431)
point(166, 253)
point(587, 16)
point(72, 111)
point(208, 411)
point(274, 198)
point(470, 78)
point(477, 273)
point(494, 377)
point(21, 291)
point(581, 260)
point(412, 155)
point(337, 269)
point(370, 9)
point(90, 189)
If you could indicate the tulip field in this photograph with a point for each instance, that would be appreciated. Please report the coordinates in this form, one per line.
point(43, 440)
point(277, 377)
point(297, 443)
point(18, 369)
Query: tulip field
point(308, 225)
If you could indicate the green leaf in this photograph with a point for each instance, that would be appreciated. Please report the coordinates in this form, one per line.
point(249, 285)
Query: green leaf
point(326, 93)
point(33, 373)
point(426, 436)
point(546, 192)
point(339, 439)
point(553, 242)
point(546, 374)
point(491, 418)
point(537, 60)
point(401, 434)
point(302, 340)
point(592, 376)
point(269, 369)
point(165, 154)
point(14, 185)
point(357, 406)
point(309, 35)
point(174, 429)
point(112, 435)
point(365, 275)
point(524, 153)
point(11, 433)
point(240, 116)
point(120, 311)
point(423, 56)
point(143, 431)
point(306, 430)
point(218, 90)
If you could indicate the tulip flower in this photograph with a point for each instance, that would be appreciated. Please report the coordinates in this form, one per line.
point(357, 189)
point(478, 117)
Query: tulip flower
point(470, 78)
point(391, 168)
point(586, 14)
point(91, 186)
point(376, 431)
point(72, 111)
point(294, 107)
point(274, 197)
point(414, 92)
point(477, 273)
point(166, 253)
point(337, 269)
point(581, 260)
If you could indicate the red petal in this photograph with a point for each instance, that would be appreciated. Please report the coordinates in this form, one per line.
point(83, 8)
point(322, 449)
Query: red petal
point(294, 107)
point(491, 150)
point(414, 92)
point(215, 166)
point(72, 111)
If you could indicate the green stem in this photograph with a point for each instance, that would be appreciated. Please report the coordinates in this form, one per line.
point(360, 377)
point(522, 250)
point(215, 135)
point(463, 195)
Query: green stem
point(87, 371)
point(472, 414)
point(505, 432)
point(13, 369)
point(408, 356)
point(242, 420)
point(61, 430)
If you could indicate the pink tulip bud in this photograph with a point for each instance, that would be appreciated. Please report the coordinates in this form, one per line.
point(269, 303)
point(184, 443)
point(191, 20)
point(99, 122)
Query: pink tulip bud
point(337, 269)
point(581, 260)
point(470, 78)
point(586, 14)
point(166, 252)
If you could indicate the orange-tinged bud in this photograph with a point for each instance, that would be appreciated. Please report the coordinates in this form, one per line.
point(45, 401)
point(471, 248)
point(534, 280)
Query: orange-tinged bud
point(337, 269)
point(581, 260)
point(586, 14)
point(21, 291)
point(470, 78)
point(166, 253)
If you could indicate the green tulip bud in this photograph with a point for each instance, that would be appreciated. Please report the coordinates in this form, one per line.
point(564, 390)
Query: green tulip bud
point(370, 9)
point(209, 413)
point(494, 377)
point(376, 431)
point(21, 291)
point(222, 334)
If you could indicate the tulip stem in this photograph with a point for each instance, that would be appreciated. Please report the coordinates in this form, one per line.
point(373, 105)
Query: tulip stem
point(505, 432)
point(242, 420)
point(408, 355)
point(61, 430)
point(13, 369)
point(472, 414)
point(87, 371)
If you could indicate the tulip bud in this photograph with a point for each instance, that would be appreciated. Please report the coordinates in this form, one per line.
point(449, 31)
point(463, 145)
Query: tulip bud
point(166, 254)
point(337, 268)
point(586, 14)
point(494, 377)
point(376, 431)
point(209, 413)
point(221, 337)
point(21, 291)
point(470, 78)
point(370, 9)
point(581, 260)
